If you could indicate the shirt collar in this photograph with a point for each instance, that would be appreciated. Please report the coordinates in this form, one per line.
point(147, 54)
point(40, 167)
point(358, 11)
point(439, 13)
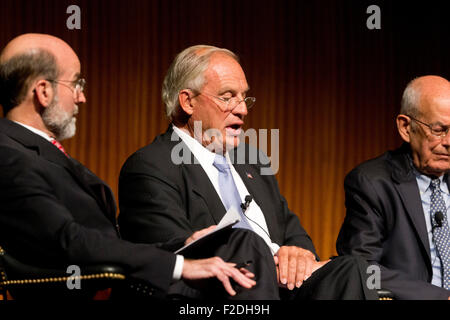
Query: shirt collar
point(36, 131)
point(200, 152)
point(424, 181)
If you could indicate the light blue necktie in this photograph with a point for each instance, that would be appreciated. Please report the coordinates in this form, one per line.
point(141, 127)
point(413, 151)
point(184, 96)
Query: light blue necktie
point(441, 235)
point(228, 190)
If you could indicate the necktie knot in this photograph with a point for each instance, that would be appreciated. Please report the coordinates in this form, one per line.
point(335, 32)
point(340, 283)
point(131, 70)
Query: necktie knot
point(435, 183)
point(221, 164)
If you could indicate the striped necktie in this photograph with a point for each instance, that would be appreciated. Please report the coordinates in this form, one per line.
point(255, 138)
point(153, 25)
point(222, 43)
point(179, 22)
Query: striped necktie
point(59, 146)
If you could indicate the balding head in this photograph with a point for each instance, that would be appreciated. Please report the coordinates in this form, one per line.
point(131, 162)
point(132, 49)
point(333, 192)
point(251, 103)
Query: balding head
point(33, 42)
point(424, 123)
point(33, 67)
point(29, 57)
point(423, 91)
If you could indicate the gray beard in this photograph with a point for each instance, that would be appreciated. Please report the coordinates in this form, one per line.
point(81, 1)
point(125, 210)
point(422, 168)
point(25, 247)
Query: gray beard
point(61, 123)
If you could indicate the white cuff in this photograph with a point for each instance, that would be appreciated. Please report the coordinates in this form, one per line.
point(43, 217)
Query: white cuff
point(178, 270)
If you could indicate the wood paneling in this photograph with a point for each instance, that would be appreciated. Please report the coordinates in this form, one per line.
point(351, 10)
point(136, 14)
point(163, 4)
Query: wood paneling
point(331, 86)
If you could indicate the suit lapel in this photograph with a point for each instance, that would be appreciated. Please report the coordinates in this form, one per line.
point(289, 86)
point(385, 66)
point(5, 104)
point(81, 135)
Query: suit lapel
point(408, 190)
point(410, 195)
point(196, 176)
point(202, 186)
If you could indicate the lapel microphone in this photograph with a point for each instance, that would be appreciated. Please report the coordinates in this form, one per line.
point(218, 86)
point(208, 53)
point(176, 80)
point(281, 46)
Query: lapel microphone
point(438, 218)
point(246, 204)
point(244, 207)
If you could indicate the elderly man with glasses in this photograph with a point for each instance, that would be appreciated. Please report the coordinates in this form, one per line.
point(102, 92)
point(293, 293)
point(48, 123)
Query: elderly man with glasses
point(397, 204)
point(180, 186)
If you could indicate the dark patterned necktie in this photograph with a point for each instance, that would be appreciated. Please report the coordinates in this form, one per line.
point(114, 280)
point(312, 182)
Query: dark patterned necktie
point(441, 234)
point(228, 190)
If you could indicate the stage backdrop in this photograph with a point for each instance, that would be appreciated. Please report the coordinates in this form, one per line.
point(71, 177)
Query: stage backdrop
point(328, 83)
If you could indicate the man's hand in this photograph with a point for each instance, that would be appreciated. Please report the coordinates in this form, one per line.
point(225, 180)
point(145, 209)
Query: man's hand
point(217, 268)
point(199, 234)
point(295, 265)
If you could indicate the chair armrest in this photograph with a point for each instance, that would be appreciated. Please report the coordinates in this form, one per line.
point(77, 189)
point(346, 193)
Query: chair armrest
point(384, 294)
point(25, 281)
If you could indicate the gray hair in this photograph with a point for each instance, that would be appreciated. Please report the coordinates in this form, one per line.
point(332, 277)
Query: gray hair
point(410, 104)
point(17, 73)
point(187, 72)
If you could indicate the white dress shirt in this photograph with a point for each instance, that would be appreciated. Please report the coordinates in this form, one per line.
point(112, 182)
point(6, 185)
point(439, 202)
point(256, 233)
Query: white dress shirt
point(206, 160)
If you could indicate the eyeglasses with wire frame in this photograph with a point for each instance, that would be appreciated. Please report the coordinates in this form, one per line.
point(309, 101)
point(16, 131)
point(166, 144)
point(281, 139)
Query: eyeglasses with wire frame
point(435, 129)
point(233, 102)
point(77, 86)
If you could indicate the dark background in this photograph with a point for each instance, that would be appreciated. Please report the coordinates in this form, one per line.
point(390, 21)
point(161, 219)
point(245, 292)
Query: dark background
point(330, 85)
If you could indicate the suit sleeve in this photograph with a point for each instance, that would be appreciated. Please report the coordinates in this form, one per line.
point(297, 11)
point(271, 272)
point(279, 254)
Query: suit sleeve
point(364, 233)
point(36, 227)
point(149, 199)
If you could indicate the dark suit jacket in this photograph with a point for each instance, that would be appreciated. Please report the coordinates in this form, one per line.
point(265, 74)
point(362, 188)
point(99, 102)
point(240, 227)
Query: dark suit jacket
point(55, 212)
point(164, 202)
point(385, 224)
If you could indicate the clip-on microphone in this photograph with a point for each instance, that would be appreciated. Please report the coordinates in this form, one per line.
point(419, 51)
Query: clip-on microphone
point(438, 218)
point(244, 206)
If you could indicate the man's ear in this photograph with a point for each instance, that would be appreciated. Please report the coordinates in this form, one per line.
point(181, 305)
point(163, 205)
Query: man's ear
point(184, 98)
point(43, 92)
point(404, 127)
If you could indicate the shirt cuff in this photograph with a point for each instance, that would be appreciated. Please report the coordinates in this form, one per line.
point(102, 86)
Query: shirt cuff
point(178, 270)
point(274, 248)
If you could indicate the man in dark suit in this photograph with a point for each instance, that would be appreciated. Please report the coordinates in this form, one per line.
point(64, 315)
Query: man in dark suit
point(175, 187)
point(393, 215)
point(54, 212)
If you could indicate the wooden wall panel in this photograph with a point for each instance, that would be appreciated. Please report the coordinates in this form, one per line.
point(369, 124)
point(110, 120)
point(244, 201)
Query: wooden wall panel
point(331, 86)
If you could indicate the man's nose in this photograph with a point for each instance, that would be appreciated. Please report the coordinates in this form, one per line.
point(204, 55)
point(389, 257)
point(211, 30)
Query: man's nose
point(241, 108)
point(81, 98)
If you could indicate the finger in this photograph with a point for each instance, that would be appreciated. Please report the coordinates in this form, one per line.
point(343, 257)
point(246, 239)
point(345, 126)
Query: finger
point(243, 275)
point(244, 271)
point(283, 265)
point(294, 266)
point(240, 279)
point(308, 268)
point(240, 274)
point(275, 259)
point(300, 276)
point(247, 273)
point(278, 274)
point(226, 284)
